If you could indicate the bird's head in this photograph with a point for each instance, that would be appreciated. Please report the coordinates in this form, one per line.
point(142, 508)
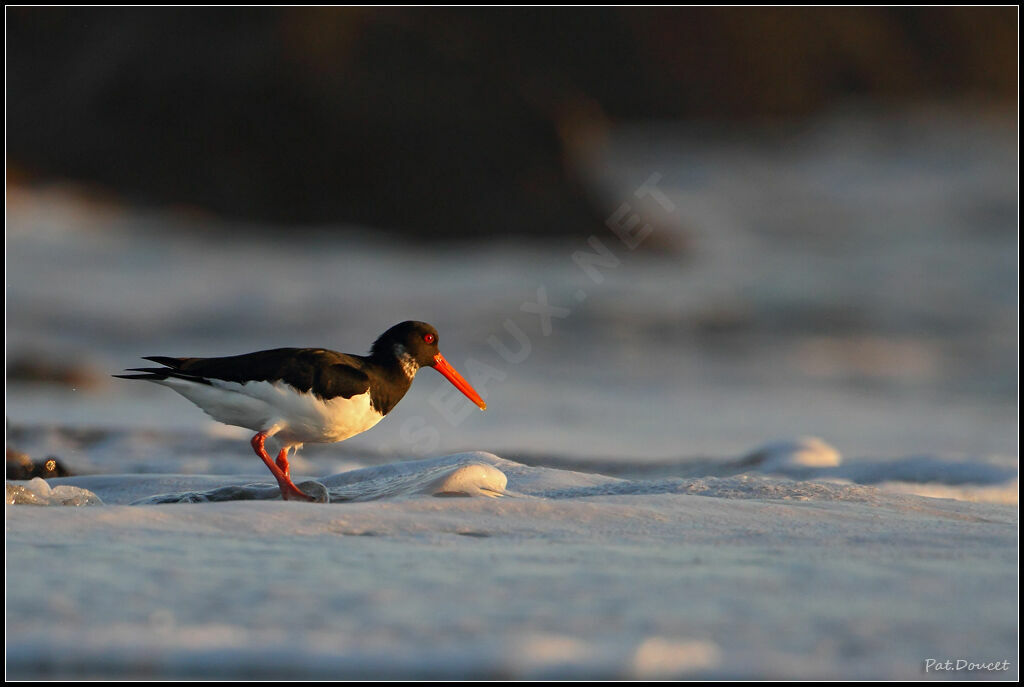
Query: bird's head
point(415, 345)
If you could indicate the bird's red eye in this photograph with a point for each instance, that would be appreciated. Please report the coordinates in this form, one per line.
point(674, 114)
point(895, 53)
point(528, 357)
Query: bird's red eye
point(429, 338)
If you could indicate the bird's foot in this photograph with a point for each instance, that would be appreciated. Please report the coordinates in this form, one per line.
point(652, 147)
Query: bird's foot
point(307, 491)
point(314, 492)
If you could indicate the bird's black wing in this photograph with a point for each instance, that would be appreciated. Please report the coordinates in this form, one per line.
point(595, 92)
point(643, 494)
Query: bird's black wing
point(327, 374)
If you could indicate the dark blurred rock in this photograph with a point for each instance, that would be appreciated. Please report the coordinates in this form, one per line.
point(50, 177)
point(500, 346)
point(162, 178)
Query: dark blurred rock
point(445, 123)
point(783, 61)
point(21, 466)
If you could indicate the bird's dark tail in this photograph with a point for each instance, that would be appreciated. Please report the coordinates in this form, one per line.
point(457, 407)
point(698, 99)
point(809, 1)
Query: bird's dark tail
point(139, 376)
point(156, 374)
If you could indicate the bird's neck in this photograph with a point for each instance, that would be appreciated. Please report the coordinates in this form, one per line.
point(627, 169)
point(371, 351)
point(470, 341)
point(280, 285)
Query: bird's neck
point(393, 377)
point(396, 360)
point(406, 361)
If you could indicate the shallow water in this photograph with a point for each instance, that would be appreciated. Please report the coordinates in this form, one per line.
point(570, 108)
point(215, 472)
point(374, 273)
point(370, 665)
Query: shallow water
point(852, 279)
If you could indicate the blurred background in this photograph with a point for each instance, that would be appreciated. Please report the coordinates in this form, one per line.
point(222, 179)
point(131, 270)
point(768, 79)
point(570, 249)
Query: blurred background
point(832, 249)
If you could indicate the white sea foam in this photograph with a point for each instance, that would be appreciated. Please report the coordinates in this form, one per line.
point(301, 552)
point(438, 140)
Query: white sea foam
point(457, 475)
point(37, 492)
point(793, 454)
point(985, 479)
point(478, 473)
point(568, 575)
point(980, 479)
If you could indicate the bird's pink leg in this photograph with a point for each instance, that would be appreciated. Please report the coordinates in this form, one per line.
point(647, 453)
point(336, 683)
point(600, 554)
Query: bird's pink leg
point(282, 462)
point(289, 492)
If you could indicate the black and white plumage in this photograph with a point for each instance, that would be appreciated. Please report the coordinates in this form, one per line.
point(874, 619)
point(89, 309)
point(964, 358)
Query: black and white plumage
point(306, 395)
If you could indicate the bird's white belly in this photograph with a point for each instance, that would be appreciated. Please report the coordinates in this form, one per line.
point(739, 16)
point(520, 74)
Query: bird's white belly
point(294, 417)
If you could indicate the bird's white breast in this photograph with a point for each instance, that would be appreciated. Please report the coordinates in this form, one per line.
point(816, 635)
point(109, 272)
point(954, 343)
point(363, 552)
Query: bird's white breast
point(294, 416)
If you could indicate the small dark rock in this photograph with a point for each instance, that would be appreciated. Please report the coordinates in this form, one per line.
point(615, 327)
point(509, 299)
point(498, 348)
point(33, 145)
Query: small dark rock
point(21, 466)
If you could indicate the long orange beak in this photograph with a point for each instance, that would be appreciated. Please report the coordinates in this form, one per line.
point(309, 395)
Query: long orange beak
point(442, 366)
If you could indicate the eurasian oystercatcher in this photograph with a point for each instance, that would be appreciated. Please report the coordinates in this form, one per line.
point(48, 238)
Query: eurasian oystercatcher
point(306, 395)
